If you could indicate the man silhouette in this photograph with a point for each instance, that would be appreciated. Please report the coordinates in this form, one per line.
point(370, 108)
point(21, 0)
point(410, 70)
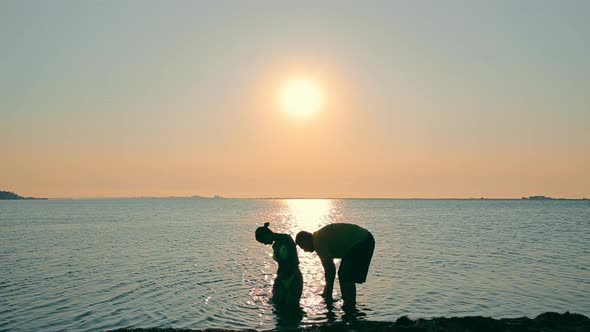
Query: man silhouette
point(350, 242)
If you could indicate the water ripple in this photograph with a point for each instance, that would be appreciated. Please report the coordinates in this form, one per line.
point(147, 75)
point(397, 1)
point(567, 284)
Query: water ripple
point(102, 264)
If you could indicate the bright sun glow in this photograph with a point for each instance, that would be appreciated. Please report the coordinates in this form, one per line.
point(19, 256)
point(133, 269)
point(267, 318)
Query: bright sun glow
point(301, 96)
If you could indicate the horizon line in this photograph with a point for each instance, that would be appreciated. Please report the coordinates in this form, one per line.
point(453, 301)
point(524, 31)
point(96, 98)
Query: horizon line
point(334, 198)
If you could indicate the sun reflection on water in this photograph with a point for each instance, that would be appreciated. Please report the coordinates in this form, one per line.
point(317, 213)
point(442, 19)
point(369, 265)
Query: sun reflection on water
point(310, 215)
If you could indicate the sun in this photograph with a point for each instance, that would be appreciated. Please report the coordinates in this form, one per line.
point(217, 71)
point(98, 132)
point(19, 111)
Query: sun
point(301, 97)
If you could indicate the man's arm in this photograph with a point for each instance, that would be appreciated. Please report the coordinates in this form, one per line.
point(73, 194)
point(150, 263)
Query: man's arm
point(329, 275)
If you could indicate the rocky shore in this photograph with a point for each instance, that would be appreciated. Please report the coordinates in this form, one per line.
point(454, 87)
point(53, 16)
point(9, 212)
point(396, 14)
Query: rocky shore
point(546, 322)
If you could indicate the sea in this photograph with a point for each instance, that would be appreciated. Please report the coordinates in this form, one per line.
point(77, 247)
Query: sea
point(101, 264)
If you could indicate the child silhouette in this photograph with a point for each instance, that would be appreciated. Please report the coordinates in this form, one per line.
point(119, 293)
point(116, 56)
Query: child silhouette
point(288, 284)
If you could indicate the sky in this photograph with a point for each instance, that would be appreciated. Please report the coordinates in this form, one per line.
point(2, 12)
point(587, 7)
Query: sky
point(424, 99)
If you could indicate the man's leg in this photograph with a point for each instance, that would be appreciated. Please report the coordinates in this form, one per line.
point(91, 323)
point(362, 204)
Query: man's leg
point(354, 268)
point(348, 289)
point(347, 282)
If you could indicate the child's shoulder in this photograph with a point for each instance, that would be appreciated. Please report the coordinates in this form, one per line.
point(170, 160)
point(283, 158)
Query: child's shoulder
point(284, 239)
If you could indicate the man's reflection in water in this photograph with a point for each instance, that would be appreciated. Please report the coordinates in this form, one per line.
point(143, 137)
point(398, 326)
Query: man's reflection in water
point(290, 319)
point(330, 315)
point(352, 315)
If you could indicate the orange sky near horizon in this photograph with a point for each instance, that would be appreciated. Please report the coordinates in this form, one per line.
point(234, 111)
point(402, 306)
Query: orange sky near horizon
point(415, 102)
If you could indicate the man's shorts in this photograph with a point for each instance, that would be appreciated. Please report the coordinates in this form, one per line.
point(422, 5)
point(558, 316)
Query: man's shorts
point(355, 265)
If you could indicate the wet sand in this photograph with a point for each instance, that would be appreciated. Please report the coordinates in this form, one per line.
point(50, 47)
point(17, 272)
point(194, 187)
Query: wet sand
point(546, 322)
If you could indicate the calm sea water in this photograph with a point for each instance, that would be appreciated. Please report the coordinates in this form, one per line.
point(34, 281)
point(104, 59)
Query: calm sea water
point(84, 265)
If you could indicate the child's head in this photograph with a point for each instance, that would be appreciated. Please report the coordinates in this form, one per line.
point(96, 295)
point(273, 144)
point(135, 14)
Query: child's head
point(264, 234)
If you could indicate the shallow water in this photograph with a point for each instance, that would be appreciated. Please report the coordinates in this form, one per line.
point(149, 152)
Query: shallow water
point(84, 265)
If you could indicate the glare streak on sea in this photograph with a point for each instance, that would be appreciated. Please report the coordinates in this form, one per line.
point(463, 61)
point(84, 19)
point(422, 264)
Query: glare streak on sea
point(97, 264)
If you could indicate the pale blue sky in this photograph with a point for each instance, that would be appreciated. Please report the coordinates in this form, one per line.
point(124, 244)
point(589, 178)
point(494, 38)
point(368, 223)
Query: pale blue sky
point(437, 98)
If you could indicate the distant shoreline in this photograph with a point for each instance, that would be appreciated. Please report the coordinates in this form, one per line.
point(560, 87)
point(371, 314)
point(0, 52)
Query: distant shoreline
point(310, 198)
point(8, 195)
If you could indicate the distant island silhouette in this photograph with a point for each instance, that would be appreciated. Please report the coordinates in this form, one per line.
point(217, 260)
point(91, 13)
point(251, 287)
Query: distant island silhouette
point(13, 196)
point(538, 197)
point(547, 198)
point(197, 196)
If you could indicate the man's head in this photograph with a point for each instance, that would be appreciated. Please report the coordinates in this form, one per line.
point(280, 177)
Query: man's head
point(305, 241)
point(264, 234)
